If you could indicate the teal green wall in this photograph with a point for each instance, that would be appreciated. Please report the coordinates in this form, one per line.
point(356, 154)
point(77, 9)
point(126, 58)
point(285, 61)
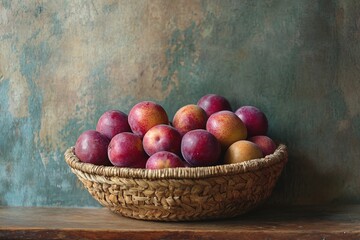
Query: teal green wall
point(64, 63)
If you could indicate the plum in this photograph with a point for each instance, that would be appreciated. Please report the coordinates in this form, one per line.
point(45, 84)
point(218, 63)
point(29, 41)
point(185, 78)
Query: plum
point(189, 117)
point(126, 150)
point(162, 137)
point(91, 147)
point(145, 115)
point(164, 159)
point(213, 103)
point(200, 148)
point(113, 122)
point(254, 119)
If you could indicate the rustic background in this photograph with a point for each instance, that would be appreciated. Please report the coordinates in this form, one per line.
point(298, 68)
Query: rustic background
point(64, 63)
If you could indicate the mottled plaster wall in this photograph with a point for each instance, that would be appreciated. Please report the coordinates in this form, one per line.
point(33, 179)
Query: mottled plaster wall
point(65, 62)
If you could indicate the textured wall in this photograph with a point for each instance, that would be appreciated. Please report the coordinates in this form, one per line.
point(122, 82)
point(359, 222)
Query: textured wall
point(65, 62)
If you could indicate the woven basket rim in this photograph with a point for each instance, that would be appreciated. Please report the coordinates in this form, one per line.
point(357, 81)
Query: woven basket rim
point(280, 155)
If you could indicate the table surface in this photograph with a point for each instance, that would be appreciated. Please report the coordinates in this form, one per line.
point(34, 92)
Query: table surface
point(295, 222)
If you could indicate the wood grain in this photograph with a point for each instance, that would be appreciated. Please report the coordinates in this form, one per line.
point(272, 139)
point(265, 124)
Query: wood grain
point(306, 222)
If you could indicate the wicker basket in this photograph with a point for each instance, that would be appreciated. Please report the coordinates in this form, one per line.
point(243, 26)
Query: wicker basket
point(181, 194)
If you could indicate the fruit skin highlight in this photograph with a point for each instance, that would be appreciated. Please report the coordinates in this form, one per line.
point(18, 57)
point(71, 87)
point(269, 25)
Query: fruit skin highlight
point(146, 115)
point(91, 147)
point(200, 148)
point(213, 103)
point(254, 119)
point(226, 127)
point(241, 151)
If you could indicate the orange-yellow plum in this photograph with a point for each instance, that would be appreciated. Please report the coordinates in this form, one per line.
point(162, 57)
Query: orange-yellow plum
point(146, 115)
point(226, 127)
point(189, 117)
point(241, 151)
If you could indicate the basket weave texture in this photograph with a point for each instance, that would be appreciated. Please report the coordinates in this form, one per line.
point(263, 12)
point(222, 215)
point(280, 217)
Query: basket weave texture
point(181, 194)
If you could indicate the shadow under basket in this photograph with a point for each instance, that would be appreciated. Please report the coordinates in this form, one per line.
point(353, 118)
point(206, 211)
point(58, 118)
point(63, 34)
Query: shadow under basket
point(182, 194)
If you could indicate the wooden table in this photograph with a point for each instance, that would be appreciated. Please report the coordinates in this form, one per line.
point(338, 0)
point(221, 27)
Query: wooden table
point(305, 222)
